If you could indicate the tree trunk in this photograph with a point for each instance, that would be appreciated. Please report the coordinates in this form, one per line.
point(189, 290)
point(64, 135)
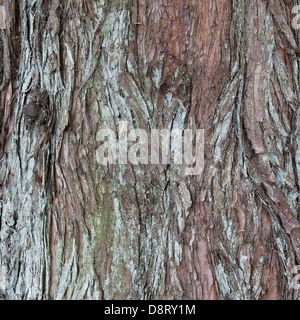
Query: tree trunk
point(72, 228)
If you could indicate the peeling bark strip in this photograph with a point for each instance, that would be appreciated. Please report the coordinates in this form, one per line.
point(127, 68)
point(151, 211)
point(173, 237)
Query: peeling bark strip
point(73, 229)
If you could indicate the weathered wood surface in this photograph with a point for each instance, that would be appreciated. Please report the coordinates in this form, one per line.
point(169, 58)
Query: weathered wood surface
point(72, 229)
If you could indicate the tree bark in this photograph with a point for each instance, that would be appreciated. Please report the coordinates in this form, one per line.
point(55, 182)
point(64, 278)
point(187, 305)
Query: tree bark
point(74, 229)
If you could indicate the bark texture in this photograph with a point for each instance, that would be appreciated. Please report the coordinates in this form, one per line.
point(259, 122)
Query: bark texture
point(73, 229)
